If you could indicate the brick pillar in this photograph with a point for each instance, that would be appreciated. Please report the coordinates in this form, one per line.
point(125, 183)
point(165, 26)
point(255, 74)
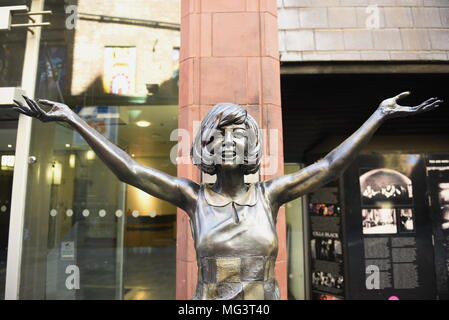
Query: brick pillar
point(229, 53)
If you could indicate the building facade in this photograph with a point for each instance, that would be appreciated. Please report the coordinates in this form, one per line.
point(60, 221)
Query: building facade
point(144, 73)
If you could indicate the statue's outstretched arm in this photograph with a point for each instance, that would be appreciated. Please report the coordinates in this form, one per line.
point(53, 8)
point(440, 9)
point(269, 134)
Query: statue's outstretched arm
point(178, 191)
point(286, 188)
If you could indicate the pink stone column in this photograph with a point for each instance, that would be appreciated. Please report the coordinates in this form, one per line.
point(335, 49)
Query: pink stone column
point(229, 53)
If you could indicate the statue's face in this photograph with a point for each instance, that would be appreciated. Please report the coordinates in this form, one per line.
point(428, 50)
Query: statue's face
point(229, 144)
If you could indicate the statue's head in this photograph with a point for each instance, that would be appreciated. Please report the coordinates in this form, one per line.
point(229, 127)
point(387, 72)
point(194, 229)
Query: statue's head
point(228, 136)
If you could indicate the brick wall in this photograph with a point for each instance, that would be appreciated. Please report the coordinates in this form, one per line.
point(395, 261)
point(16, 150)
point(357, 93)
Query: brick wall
point(319, 30)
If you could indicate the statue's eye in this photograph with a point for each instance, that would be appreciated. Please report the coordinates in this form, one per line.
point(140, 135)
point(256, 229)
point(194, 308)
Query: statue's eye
point(239, 133)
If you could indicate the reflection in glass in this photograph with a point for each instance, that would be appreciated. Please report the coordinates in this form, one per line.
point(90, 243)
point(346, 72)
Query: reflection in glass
point(87, 235)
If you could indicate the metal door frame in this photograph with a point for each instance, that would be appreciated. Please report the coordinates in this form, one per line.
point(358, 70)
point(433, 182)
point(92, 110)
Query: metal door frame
point(19, 188)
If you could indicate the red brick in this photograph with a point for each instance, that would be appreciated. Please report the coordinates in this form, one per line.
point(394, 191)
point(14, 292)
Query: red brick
point(190, 33)
point(252, 5)
point(206, 35)
point(269, 6)
point(223, 6)
point(270, 43)
point(271, 81)
point(280, 273)
point(254, 82)
point(236, 35)
point(223, 80)
point(186, 88)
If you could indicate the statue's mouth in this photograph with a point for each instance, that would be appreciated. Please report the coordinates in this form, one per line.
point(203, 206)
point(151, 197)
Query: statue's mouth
point(228, 154)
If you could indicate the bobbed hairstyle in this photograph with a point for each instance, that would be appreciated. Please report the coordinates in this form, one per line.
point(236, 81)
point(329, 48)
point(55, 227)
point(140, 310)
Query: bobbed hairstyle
point(221, 115)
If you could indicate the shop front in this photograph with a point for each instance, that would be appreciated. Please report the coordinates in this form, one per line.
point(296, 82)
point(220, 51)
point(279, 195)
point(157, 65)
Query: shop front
point(74, 230)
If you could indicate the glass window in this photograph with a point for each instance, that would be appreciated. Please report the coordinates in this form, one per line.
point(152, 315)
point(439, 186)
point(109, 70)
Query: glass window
point(8, 133)
point(87, 235)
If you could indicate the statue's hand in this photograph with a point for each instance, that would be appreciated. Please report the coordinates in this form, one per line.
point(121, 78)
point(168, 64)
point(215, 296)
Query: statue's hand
point(58, 111)
point(391, 109)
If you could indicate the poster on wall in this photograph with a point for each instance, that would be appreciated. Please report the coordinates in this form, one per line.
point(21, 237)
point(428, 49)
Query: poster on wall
point(119, 74)
point(326, 249)
point(437, 166)
point(388, 230)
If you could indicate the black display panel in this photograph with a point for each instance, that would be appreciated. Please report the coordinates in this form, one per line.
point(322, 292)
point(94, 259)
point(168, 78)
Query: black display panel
point(438, 185)
point(387, 228)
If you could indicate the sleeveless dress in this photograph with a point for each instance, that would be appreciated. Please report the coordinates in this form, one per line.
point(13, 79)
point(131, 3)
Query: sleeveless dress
point(236, 245)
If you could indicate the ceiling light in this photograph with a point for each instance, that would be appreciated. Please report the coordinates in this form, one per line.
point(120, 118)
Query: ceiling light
point(143, 124)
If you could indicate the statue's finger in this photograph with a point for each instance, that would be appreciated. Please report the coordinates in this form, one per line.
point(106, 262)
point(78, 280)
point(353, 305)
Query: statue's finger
point(31, 105)
point(38, 107)
point(19, 104)
point(46, 102)
point(402, 95)
point(433, 105)
point(38, 110)
point(20, 111)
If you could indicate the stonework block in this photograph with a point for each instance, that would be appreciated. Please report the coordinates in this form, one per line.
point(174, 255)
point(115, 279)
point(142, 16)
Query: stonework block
point(409, 3)
point(382, 3)
point(299, 40)
point(309, 3)
point(316, 56)
point(342, 17)
point(415, 39)
point(313, 17)
point(223, 79)
point(398, 17)
point(358, 39)
point(426, 17)
point(223, 6)
point(444, 14)
point(236, 34)
point(436, 3)
point(388, 39)
point(370, 17)
point(439, 39)
point(329, 40)
point(346, 56)
point(271, 90)
point(376, 56)
point(281, 40)
point(354, 3)
point(403, 55)
point(292, 56)
point(288, 19)
point(433, 56)
point(270, 35)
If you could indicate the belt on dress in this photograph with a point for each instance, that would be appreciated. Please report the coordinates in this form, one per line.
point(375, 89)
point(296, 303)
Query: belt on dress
point(249, 278)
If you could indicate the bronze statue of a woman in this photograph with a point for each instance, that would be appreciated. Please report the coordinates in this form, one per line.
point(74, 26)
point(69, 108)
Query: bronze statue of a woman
point(233, 223)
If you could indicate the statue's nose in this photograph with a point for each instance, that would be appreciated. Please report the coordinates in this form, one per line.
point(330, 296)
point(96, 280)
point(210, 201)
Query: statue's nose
point(228, 139)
